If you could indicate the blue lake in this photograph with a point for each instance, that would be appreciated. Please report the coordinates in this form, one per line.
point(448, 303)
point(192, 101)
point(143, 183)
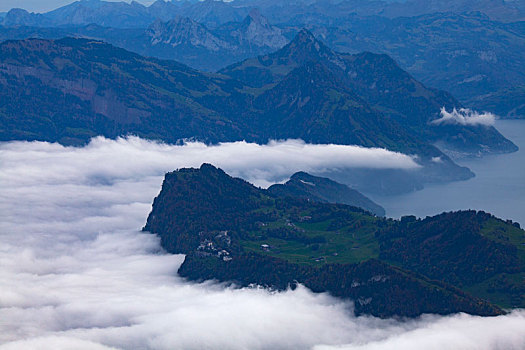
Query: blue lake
point(499, 185)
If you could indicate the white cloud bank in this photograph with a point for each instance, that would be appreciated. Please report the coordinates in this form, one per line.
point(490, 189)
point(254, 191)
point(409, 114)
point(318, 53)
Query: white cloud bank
point(463, 332)
point(465, 116)
point(259, 164)
point(76, 273)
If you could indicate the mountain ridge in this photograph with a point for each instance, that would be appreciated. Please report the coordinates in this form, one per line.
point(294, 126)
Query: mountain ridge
point(235, 232)
point(377, 79)
point(214, 13)
point(322, 189)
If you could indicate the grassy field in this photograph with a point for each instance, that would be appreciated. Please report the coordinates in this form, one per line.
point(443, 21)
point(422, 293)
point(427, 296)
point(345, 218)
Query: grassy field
point(319, 242)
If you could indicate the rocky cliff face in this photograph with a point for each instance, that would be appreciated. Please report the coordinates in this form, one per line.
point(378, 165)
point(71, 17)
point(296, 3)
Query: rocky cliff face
point(253, 34)
point(182, 31)
point(20, 17)
point(255, 30)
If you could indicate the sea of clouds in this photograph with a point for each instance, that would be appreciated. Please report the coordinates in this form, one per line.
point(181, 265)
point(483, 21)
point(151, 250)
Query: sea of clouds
point(77, 273)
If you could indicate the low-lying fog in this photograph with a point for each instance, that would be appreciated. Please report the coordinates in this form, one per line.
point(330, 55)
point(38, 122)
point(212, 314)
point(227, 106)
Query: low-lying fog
point(499, 185)
point(77, 273)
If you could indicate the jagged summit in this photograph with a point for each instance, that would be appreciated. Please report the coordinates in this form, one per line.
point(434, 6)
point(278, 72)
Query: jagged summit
point(184, 31)
point(257, 20)
point(306, 47)
point(256, 15)
point(305, 36)
point(256, 31)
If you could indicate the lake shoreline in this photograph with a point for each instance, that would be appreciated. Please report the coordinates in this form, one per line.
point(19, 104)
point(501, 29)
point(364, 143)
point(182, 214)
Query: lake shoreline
point(498, 187)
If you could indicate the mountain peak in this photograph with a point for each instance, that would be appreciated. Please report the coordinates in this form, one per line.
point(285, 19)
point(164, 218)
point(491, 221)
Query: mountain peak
point(305, 36)
point(256, 30)
point(209, 168)
point(17, 10)
point(18, 16)
point(306, 43)
point(255, 17)
point(306, 47)
point(255, 14)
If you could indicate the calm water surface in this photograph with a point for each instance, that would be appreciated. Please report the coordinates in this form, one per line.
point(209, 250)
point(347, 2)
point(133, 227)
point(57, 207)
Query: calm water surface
point(499, 185)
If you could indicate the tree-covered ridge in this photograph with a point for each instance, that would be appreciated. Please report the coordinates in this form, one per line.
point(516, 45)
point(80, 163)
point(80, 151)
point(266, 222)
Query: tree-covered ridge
point(466, 248)
point(81, 88)
point(376, 288)
point(363, 99)
point(378, 80)
point(233, 231)
point(321, 189)
point(98, 89)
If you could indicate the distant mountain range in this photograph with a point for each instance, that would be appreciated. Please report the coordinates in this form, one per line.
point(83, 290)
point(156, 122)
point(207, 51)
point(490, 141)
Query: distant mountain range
point(499, 10)
point(128, 15)
point(473, 49)
point(82, 88)
point(326, 10)
point(215, 13)
point(181, 38)
point(234, 232)
point(466, 54)
point(373, 78)
point(192, 43)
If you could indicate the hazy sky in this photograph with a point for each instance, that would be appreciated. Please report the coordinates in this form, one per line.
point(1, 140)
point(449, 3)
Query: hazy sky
point(44, 5)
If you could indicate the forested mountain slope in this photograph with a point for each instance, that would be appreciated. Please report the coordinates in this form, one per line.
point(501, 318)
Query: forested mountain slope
point(233, 231)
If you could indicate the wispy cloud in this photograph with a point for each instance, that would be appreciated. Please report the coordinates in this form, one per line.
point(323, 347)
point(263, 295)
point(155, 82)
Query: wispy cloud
point(76, 272)
point(452, 332)
point(465, 116)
